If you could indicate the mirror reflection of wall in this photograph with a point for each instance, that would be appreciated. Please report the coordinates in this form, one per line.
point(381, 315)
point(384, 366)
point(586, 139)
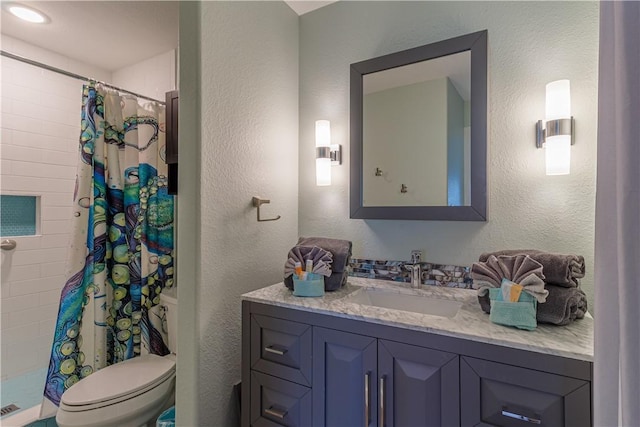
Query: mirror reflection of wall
point(416, 130)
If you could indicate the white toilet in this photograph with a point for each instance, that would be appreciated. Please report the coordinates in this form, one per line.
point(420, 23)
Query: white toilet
point(132, 393)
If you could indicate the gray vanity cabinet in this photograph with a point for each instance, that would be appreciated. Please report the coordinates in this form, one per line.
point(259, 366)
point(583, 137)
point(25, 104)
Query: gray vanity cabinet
point(496, 394)
point(302, 369)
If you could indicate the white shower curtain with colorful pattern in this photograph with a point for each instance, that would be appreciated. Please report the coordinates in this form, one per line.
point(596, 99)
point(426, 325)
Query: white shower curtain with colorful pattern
point(121, 250)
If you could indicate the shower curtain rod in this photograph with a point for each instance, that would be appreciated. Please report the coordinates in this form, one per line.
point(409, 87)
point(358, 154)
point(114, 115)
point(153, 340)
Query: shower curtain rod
point(73, 75)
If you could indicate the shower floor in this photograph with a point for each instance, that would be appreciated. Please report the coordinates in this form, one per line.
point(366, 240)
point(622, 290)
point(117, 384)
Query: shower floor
point(24, 391)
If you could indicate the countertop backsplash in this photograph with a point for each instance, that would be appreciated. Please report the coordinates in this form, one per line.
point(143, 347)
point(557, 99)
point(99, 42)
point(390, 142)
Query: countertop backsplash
point(451, 276)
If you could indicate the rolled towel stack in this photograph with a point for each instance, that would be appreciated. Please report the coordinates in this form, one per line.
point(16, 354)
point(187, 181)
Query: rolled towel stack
point(565, 301)
point(559, 269)
point(563, 306)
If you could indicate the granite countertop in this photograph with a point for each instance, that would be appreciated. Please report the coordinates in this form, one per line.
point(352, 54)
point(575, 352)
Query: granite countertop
point(573, 341)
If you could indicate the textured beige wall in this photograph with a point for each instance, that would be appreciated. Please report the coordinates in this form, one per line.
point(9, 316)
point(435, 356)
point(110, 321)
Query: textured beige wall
point(530, 44)
point(247, 146)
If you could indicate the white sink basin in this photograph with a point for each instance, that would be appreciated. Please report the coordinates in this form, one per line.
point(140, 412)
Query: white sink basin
point(405, 302)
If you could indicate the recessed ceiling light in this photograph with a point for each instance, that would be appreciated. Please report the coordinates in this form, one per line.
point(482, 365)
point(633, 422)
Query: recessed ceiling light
point(26, 13)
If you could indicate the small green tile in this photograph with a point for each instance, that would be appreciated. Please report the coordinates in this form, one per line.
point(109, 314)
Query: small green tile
point(17, 215)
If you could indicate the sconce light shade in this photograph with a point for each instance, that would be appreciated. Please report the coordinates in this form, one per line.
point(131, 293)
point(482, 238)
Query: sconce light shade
point(557, 135)
point(558, 100)
point(323, 133)
point(557, 155)
point(558, 147)
point(323, 152)
point(323, 172)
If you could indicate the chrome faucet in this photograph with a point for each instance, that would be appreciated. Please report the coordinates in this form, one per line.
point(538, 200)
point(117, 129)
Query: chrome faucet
point(415, 268)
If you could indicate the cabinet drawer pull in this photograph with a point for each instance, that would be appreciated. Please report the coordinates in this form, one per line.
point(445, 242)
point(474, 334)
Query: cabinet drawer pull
point(273, 350)
point(367, 399)
point(520, 417)
point(276, 413)
point(382, 414)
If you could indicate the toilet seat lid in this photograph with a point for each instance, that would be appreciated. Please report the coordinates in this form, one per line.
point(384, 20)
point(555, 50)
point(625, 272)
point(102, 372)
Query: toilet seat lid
point(121, 379)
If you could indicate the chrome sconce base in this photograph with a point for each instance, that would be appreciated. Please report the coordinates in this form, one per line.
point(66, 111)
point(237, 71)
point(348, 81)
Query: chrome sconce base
point(334, 153)
point(554, 128)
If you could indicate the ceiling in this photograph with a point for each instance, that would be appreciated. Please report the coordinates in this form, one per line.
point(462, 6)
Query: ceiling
point(107, 34)
point(302, 7)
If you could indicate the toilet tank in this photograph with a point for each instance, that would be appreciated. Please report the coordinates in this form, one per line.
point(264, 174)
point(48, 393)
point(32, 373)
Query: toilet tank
point(169, 301)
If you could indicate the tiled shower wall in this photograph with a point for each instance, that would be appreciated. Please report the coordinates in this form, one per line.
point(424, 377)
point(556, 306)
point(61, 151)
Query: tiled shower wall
point(38, 151)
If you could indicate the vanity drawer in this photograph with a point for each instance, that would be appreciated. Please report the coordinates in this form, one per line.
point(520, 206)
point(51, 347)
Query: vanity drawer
point(276, 402)
point(281, 348)
point(495, 394)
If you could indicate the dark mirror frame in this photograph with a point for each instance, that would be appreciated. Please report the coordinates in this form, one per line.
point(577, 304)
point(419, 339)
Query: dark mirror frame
point(477, 211)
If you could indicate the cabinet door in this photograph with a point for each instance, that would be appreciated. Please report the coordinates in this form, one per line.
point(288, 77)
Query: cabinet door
point(418, 386)
point(276, 402)
point(494, 394)
point(344, 379)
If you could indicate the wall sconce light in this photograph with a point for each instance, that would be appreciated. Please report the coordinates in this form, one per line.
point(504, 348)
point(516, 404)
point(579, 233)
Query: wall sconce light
point(556, 135)
point(326, 154)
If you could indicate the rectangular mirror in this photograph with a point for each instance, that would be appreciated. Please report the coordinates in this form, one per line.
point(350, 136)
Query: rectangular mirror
point(419, 132)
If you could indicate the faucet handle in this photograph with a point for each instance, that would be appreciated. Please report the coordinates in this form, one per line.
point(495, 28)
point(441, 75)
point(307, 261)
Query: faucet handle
point(416, 256)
